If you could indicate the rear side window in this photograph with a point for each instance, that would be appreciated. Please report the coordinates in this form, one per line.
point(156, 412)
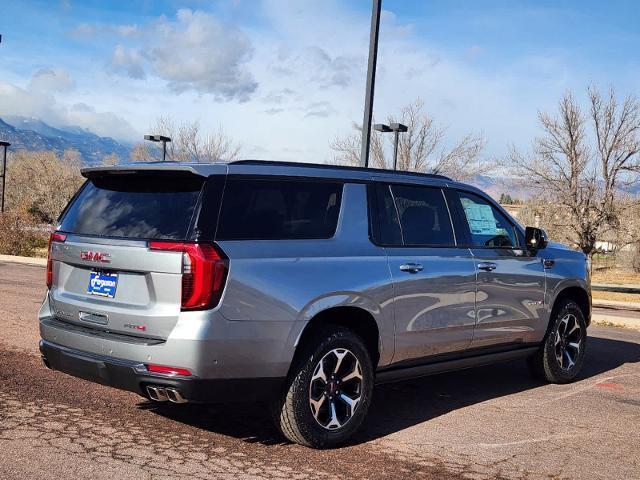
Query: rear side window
point(424, 217)
point(134, 206)
point(384, 217)
point(276, 209)
point(409, 216)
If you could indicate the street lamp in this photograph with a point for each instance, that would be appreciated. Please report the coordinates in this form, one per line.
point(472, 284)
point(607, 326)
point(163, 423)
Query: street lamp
point(396, 128)
point(159, 138)
point(376, 6)
point(4, 171)
point(381, 127)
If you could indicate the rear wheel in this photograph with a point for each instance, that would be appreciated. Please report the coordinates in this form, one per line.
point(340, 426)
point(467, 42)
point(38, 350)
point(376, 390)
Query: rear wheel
point(328, 391)
point(561, 356)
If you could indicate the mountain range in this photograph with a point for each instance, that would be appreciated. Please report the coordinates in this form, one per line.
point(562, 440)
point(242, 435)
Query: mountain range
point(34, 134)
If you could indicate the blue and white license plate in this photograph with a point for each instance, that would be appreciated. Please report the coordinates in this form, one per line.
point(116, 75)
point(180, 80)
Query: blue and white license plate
point(103, 284)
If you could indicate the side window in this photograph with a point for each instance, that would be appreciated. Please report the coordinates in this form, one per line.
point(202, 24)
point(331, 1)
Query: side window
point(385, 227)
point(424, 216)
point(275, 209)
point(487, 225)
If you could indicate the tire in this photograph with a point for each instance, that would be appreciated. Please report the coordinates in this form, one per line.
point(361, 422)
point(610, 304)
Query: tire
point(314, 426)
point(561, 356)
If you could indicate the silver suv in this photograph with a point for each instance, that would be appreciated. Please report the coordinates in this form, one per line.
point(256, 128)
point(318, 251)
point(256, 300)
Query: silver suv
point(302, 285)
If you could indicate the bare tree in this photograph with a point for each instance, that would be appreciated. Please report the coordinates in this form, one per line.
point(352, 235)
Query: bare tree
point(190, 144)
point(41, 183)
point(110, 160)
point(581, 161)
point(140, 153)
point(422, 148)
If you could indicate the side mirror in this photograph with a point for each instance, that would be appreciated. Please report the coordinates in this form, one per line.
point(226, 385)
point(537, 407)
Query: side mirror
point(535, 238)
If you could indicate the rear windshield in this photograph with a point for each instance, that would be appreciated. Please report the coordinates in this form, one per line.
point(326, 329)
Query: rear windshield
point(276, 209)
point(134, 206)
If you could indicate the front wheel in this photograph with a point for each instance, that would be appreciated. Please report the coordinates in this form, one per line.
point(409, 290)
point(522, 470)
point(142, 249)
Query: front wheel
point(328, 391)
point(561, 356)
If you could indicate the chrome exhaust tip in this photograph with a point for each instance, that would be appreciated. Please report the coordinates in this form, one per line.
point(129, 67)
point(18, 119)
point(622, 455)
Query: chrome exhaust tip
point(46, 362)
point(175, 396)
point(157, 394)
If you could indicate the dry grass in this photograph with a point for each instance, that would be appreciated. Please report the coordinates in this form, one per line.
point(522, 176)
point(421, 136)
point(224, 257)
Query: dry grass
point(615, 276)
point(608, 323)
point(616, 296)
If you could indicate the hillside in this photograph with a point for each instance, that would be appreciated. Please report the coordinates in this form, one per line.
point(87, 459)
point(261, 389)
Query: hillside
point(33, 134)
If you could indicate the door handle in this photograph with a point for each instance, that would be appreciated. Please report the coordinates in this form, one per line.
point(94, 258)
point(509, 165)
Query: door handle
point(411, 267)
point(548, 262)
point(487, 266)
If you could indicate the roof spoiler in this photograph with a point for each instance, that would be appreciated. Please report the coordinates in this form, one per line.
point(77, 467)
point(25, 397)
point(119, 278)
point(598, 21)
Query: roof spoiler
point(167, 168)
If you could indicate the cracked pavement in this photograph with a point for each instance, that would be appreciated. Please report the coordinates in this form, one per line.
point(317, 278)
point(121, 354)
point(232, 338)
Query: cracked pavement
point(489, 422)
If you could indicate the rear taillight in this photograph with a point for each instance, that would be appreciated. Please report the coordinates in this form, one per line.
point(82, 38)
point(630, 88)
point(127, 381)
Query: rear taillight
point(204, 272)
point(54, 237)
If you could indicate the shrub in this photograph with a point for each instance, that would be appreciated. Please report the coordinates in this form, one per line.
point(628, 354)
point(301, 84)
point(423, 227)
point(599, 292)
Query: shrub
point(20, 234)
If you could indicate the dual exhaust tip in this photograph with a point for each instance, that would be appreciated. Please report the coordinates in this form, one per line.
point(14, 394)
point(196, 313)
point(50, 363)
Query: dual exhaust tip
point(163, 394)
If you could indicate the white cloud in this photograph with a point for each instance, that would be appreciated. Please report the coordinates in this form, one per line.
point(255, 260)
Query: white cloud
point(196, 52)
point(105, 124)
point(199, 53)
point(84, 30)
point(40, 100)
point(90, 30)
point(52, 80)
point(319, 66)
point(303, 66)
point(127, 30)
point(318, 109)
point(319, 50)
point(129, 61)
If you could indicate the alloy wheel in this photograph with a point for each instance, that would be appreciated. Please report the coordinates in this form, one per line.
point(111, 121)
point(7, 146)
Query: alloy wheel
point(335, 389)
point(568, 341)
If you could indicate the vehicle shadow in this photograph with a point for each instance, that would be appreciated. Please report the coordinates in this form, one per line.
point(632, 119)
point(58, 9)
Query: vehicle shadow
point(402, 405)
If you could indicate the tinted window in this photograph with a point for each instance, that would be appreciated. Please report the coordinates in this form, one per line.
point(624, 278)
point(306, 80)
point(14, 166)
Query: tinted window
point(263, 209)
point(134, 206)
point(487, 225)
point(423, 216)
point(384, 218)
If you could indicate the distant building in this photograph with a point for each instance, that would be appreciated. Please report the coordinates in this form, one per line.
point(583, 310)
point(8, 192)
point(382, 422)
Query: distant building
point(514, 209)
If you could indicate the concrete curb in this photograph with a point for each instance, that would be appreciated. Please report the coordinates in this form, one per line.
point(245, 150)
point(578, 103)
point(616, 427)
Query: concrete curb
point(39, 262)
point(610, 287)
point(616, 305)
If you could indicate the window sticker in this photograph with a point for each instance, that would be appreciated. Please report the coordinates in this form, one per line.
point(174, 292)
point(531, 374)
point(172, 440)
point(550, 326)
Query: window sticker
point(480, 218)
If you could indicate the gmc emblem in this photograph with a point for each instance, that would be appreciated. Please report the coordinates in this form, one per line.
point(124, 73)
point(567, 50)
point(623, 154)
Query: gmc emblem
point(90, 256)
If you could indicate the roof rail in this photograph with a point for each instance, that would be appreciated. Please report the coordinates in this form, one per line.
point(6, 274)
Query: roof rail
point(338, 167)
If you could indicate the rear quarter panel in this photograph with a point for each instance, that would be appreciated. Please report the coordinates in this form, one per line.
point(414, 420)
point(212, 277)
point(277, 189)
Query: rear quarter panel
point(291, 281)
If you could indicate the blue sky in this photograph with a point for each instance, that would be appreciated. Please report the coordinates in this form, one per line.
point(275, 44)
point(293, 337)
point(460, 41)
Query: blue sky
point(285, 77)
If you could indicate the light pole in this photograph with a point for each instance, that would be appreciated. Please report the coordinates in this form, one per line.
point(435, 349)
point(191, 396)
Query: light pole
point(396, 128)
point(159, 138)
point(371, 80)
point(4, 172)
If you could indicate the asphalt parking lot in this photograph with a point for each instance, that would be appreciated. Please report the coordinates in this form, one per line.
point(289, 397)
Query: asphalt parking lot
point(489, 422)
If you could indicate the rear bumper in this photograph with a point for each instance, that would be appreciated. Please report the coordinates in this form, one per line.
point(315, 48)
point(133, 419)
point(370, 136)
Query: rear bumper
point(134, 377)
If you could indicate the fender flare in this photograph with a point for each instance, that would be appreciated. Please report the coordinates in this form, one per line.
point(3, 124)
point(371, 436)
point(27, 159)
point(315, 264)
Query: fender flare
point(385, 322)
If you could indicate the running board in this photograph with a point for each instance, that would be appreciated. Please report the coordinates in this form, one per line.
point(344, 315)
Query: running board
point(406, 373)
